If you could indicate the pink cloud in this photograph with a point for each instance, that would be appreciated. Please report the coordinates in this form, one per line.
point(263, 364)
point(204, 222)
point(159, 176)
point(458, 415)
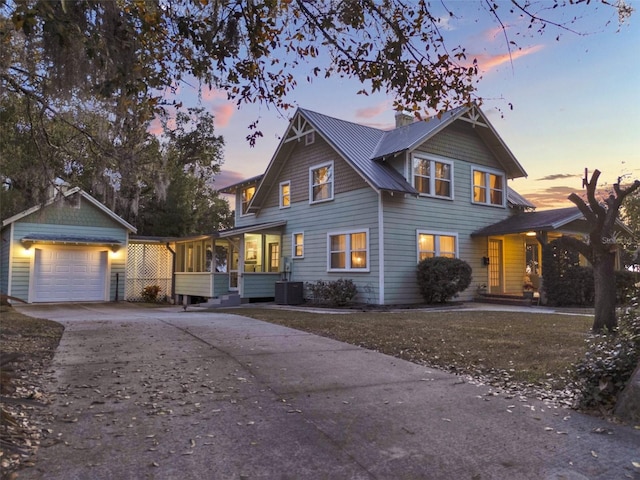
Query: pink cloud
point(370, 112)
point(488, 62)
point(213, 94)
point(223, 114)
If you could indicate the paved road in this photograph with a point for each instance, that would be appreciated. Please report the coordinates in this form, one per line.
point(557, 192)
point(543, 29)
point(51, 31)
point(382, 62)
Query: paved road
point(164, 394)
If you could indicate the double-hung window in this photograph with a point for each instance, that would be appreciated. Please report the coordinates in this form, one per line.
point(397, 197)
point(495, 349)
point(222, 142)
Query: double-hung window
point(436, 244)
point(321, 183)
point(297, 243)
point(285, 194)
point(488, 188)
point(348, 251)
point(247, 195)
point(432, 177)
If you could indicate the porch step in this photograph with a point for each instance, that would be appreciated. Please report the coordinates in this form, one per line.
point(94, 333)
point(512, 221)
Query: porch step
point(229, 300)
point(504, 300)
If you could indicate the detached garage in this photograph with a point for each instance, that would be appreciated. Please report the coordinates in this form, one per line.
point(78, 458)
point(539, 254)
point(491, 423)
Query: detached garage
point(72, 249)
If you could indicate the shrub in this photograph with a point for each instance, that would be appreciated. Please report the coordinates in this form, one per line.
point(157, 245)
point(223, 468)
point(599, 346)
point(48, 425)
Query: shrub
point(338, 292)
point(150, 293)
point(609, 362)
point(442, 278)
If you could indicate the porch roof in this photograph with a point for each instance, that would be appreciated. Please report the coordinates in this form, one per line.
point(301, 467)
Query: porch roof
point(546, 220)
point(232, 232)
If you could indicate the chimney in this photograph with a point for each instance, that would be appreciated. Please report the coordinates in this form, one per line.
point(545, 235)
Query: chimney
point(403, 119)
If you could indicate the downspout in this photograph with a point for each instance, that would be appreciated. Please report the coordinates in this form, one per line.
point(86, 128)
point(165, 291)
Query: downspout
point(380, 250)
point(173, 270)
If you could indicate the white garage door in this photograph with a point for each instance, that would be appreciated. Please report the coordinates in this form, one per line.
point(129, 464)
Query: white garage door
point(67, 274)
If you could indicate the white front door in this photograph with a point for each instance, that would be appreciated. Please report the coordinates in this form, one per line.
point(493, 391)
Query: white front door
point(69, 274)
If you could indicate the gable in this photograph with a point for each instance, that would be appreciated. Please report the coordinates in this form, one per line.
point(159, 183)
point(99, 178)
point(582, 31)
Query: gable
point(295, 169)
point(460, 141)
point(74, 210)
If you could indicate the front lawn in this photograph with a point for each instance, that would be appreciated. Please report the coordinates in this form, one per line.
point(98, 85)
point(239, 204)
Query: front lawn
point(502, 347)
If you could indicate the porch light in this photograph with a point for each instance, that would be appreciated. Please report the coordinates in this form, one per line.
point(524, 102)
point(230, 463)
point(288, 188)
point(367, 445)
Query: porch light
point(530, 234)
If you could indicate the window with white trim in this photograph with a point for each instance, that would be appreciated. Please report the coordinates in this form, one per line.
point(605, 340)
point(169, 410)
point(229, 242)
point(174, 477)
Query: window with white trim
point(297, 244)
point(488, 188)
point(247, 195)
point(285, 194)
point(432, 177)
point(436, 244)
point(321, 183)
point(348, 251)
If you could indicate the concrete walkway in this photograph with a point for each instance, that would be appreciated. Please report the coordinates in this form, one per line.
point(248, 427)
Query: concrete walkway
point(144, 393)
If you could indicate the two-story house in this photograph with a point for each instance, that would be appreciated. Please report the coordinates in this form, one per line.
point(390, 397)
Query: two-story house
point(343, 200)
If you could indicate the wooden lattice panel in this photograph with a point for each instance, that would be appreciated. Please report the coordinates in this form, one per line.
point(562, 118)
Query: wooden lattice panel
point(148, 264)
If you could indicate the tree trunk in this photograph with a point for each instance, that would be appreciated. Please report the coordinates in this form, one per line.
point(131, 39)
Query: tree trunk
point(605, 293)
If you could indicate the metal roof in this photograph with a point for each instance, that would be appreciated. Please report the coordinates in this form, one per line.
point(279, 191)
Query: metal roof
point(53, 238)
point(357, 144)
point(235, 186)
point(251, 228)
point(545, 220)
point(517, 200)
point(365, 149)
point(410, 136)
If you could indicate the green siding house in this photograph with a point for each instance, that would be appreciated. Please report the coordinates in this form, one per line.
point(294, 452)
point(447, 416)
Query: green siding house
point(72, 248)
point(343, 200)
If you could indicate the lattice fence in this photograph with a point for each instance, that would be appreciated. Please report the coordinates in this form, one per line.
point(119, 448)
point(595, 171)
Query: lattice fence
point(148, 264)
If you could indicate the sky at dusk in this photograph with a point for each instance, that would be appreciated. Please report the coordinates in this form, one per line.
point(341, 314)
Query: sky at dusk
point(576, 100)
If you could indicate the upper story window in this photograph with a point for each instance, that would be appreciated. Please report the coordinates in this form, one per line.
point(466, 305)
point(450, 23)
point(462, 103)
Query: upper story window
point(247, 195)
point(321, 183)
point(285, 194)
point(297, 244)
point(435, 244)
point(309, 138)
point(488, 188)
point(433, 177)
point(348, 251)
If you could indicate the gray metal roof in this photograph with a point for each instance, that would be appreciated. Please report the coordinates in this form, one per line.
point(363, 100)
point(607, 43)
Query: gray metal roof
point(517, 200)
point(545, 220)
point(69, 239)
point(410, 136)
point(357, 144)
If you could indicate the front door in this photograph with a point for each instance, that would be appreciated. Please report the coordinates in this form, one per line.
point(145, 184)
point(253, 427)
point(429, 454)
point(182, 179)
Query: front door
point(496, 279)
point(234, 261)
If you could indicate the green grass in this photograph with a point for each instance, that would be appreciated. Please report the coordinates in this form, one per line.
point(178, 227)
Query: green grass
point(530, 347)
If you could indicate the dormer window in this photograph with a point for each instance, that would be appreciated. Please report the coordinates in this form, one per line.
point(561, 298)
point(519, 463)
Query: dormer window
point(247, 195)
point(432, 177)
point(321, 183)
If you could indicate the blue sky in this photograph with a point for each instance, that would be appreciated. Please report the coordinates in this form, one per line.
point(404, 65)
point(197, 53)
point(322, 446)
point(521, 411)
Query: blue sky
point(576, 100)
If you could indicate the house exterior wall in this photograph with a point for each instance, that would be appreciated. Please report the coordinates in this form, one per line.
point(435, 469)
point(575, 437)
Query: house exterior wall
point(62, 218)
point(404, 215)
point(460, 141)
point(5, 247)
point(349, 211)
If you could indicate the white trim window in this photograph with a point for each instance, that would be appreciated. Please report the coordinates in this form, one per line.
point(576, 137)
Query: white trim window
point(297, 245)
point(432, 176)
point(247, 195)
point(285, 194)
point(348, 251)
point(321, 183)
point(436, 244)
point(488, 187)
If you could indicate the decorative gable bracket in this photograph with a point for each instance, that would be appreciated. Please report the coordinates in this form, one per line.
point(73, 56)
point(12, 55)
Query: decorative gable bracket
point(299, 129)
point(474, 117)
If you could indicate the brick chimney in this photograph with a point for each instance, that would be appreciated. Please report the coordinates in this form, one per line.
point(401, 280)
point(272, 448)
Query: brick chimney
point(403, 119)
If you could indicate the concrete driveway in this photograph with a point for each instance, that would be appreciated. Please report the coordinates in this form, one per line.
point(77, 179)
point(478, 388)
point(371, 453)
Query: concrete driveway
point(158, 393)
